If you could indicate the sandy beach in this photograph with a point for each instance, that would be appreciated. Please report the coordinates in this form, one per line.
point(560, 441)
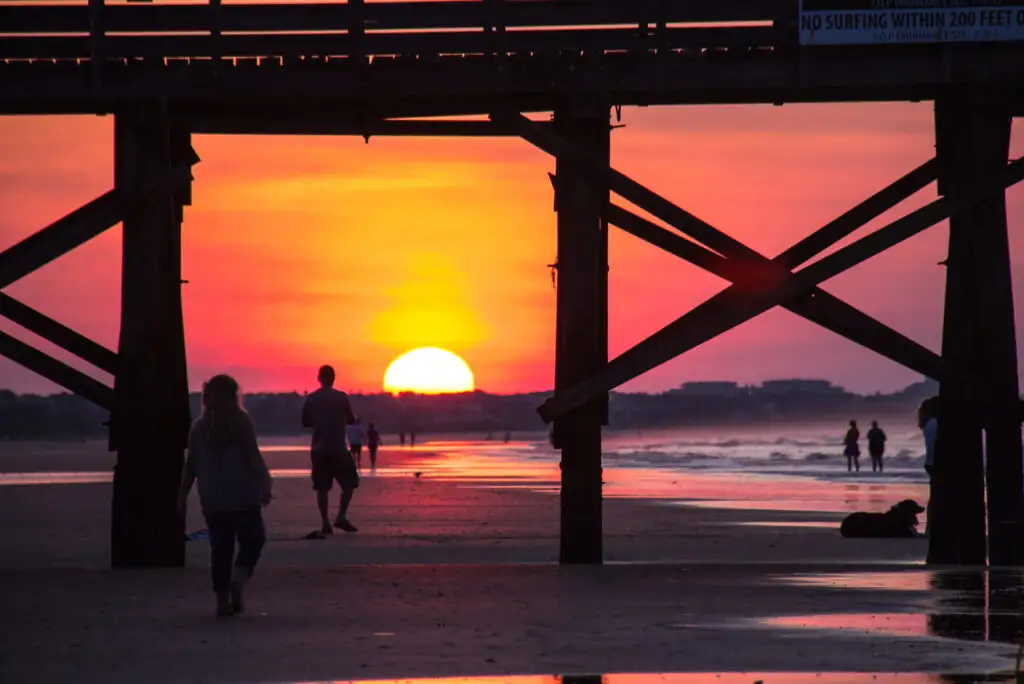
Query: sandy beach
point(452, 574)
point(463, 508)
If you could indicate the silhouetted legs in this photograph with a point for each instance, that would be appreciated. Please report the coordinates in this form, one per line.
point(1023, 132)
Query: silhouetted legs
point(329, 467)
point(224, 528)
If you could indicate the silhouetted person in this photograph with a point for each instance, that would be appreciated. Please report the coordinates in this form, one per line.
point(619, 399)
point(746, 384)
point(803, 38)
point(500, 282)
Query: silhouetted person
point(508, 437)
point(401, 438)
point(372, 444)
point(234, 484)
point(355, 441)
point(928, 421)
point(412, 439)
point(328, 412)
point(876, 447)
point(851, 447)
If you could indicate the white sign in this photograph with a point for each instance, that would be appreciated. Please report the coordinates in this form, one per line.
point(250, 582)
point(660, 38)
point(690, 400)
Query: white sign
point(881, 22)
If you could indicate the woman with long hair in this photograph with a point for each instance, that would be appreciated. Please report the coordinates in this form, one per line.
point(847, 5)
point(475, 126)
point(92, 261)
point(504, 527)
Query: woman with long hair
point(234, 484)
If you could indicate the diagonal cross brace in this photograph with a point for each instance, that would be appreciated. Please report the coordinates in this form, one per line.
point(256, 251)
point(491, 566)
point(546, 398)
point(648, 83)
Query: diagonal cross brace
point(747, 268)
point(822, 308)
point(56, 372)
point(733, 306)
point(58, 333)
point(827, 311)
point(85, 223)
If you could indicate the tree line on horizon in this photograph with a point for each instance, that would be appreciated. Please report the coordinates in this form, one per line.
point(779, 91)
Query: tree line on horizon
point(68, 417)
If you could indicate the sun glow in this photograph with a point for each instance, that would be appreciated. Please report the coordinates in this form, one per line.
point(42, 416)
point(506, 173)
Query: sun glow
point(428, 370)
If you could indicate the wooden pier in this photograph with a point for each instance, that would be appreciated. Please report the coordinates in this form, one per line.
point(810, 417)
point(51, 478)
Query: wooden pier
point(166, 71)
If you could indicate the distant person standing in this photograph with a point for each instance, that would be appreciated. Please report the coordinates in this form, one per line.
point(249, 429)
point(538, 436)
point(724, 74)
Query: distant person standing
point(876, 447)
point(401, 438)
point(329, 412)
point(355, 441)
point(234, 484)
point(372, 444)
point(851, 447)
point(412, 439)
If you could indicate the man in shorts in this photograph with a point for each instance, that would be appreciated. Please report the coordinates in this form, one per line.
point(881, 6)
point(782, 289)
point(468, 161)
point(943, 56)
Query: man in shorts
point(876, 447)
point(328, 412)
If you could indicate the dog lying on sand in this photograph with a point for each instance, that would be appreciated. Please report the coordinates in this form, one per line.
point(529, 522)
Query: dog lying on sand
point(898, 521)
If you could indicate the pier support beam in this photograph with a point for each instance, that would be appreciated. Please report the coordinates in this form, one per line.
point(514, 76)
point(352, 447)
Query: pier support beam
point(581, 347)
point(150, 423)
point(972, 140)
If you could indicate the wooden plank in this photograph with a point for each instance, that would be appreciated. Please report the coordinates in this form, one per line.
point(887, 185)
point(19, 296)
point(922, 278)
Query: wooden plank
point(383, 16)
point(322, 123)
point(997, 354)
point(973, 139)
point(956, 509)
point(82, 225)
point(216, 23)
point(151, 417)
point(340, 44)
point(733, 306)
point(56, 371)
point(846, 224)
point(628, 189)
point(59, 238)
point(581, 333)
point(822, 308)
point(58, 333)
point(97, 41)
point(462, 86)
point(826, 310)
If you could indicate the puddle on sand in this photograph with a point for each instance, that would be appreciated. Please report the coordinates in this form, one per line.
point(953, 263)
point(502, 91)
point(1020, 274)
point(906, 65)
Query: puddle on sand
point(705, 678)
point(893, 624)
point(911, 580)
point(818, 524)
point(53, 478)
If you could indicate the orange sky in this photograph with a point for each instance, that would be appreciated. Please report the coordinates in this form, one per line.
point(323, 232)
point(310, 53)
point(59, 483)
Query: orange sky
point(301, 251)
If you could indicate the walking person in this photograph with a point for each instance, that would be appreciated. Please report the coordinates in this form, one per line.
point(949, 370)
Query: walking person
point(329, 412)
point(851, 447)
point(373, 442)
point(234, 484)
point(876, 447)
point(355, 442)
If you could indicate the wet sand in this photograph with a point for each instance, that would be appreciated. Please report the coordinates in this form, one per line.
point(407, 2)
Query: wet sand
point(694, 591)
point(442, 516)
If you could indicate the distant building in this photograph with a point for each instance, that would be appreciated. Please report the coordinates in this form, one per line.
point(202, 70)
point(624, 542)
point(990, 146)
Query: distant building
point(709, 389)
point(780, 388)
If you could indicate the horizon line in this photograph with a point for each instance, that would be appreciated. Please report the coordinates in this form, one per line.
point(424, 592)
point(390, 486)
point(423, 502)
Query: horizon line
point(383, 392)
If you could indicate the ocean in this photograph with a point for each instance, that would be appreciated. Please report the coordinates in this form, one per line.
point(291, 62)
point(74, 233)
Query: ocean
point(770, 468)
point(782, 468)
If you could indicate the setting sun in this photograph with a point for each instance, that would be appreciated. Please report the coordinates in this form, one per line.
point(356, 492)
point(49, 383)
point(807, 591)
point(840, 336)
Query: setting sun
point(428, 370)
